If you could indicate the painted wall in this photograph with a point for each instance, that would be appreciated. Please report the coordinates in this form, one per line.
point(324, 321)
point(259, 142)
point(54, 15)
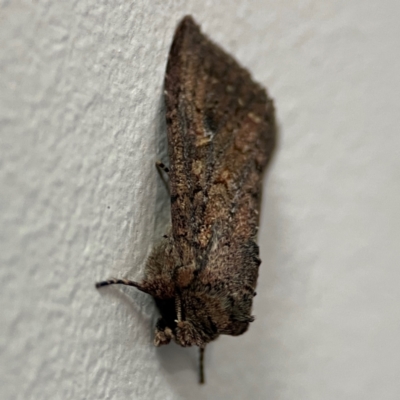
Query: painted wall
point(82, 123)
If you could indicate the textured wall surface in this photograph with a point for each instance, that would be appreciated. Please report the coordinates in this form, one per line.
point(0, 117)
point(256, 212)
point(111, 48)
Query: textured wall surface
point(82, 123)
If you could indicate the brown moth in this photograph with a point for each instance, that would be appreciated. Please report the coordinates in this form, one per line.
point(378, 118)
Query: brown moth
point(221, 135)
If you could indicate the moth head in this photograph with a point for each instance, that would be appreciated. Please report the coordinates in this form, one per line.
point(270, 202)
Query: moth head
point(183, 333)
point(195, 323)
point(187, 335)
point(185, 322)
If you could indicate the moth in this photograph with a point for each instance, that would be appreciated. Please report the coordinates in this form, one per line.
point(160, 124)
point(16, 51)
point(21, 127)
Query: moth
point(221, 136)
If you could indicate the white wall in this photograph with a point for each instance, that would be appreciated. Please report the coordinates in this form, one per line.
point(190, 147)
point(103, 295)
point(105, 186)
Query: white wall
point(80, 200)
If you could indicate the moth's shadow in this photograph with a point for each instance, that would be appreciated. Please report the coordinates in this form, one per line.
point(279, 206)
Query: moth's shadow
point(174, 359)
point(163, 208)
point(181, 366)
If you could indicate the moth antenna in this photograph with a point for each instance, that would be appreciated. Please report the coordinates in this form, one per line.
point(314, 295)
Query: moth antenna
point(121, 282)
point(201, 365)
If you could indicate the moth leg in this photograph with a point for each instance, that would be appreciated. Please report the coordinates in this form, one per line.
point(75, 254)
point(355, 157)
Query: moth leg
point(163, 334)
point(121, 282)
point(201, 365)
point(162, 166)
